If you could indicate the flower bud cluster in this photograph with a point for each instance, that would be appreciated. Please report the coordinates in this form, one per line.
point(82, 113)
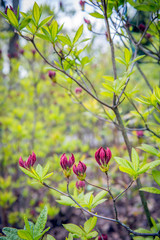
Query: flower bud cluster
point(29, 163)
point(103, 237)
point(103, 157)
point(67, 164)
point(82, 4)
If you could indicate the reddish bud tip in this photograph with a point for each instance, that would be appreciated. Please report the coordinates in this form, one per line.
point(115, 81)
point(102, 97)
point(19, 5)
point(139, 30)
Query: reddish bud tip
point(87, 21)
point(78, 90)
point(52, 74)
point(82, 4)
point(21, 51)
point(33, 51)
point(103, 237)
point(141, 27)
point(80, 185)
point(21, 162)
point(148, 35)
point(140, 133)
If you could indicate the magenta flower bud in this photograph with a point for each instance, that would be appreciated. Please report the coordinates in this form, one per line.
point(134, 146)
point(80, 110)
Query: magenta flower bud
point(139, 133)
point(148, 35)
point(67, 164)
point(29, 163)
point(103, 237)
point(33, 52)
point(141, 27)
point(80, 185)
point(21, 162)
point(10, 8)
point(78, 90)
point(82, 4)
point(80, 170)
point(52, 74)
point(87, 21)
point(21, 51)
point(103, 157)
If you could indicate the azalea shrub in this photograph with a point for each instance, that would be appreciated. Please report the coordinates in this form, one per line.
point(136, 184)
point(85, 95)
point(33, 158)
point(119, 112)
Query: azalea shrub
point(111, 106)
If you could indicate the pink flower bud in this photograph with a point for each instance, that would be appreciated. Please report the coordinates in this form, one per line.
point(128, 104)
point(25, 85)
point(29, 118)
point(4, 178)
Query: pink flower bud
point(148, 35)
point(82, 4)
point(139, 133)
point(52, 74)
point(103, 237)
point(21, 51)
point(78, 90)
point(29, 163)
point(80, 170)
point(103, 157)
point(33, 52)
point(141, 27)
point(87, 21)
point(67, 164)
point(80, 185)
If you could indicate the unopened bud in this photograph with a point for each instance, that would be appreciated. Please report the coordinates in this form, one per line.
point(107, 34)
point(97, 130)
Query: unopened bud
point(80, 170)
point(103, 157)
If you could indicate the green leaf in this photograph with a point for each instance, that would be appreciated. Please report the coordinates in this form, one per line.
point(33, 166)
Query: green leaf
point(127, 55)
point(108, 78)
point(120, 60)
point(42, 36)
point(150, 189)
point(154, 164)
point(36, 13)
point(11, 233)
point(99, 196)
point(47, 176)
point(44, 21)
point(143, 169)
point(38, 237)
point(78, 34)
point(39, 170)
point(27, 172)
point(149, 149)
point(12, 18)
point(3, 14)
point(123, 162)
point(127, 170)
point(138, 58)
point(92, 235)
point(24, 235)
point(27, 226)
point(45, 170)
point(54, 29)
point(49, 237)
point(96, 15)
point(90, 224)
point(64, 40)
point(135, 160)
point(73, 229)
point(41, 222)
point(24, 23)
point(156, 176)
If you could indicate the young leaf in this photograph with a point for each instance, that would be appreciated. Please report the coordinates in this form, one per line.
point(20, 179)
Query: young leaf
point(74, 229)
point(123, 162)
point(49, 237)
point(36, 13)
point(150, 189)
point(149, 149)
point(24, 235)
point(135, 159)
point(27, 226)
point(127, 55)
point(12, 18)
point(92, 235)
point(156, 176)
point(78, 34)
point(96, 15)
point(54, 29)
point(27, 172)
point(90, 224)
point(39, 170)
point(41, 222)
point(44, 21)
point(11, 233)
